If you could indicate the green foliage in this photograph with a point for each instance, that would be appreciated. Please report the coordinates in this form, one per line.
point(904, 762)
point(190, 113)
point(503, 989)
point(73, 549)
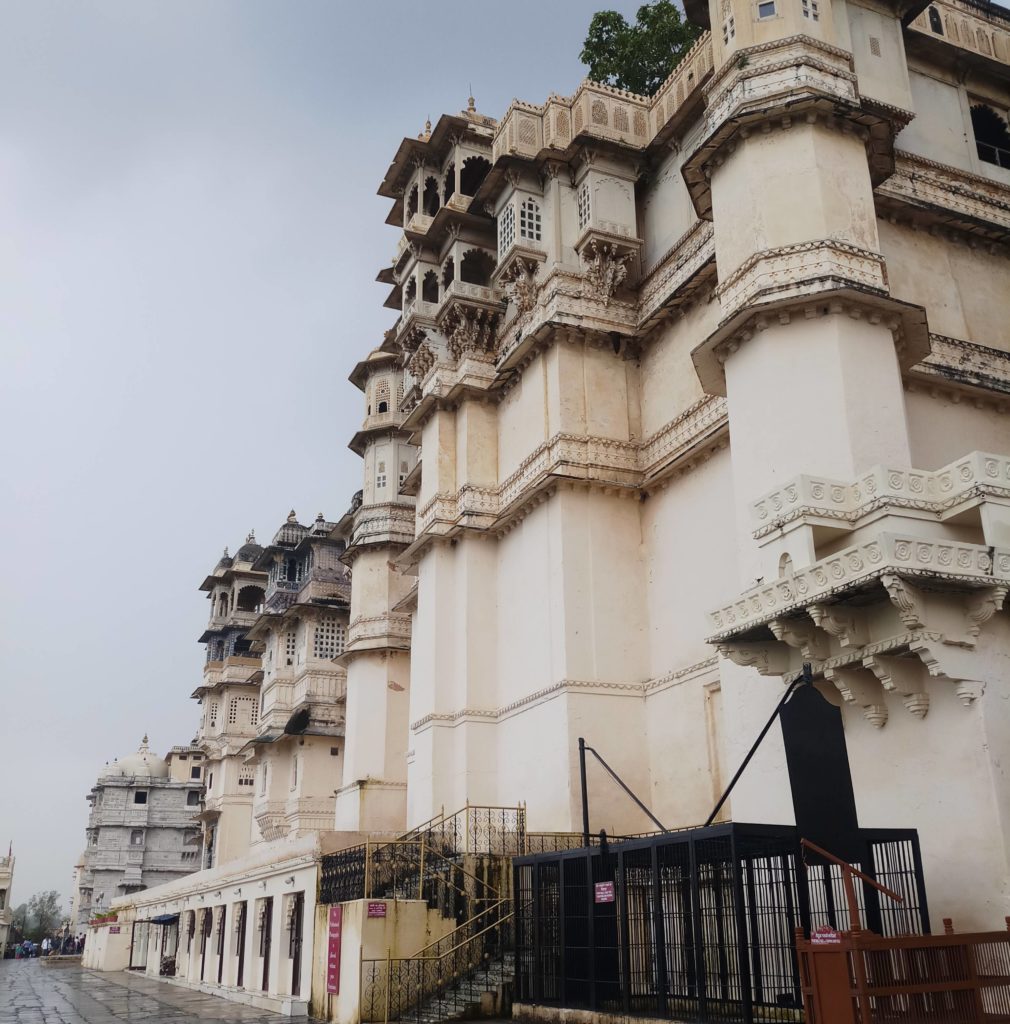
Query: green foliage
point(637, 57)
point(41, 916)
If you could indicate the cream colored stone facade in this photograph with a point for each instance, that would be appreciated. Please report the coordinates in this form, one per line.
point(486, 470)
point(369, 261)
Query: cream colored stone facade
point(6, 905)
point(684, 391)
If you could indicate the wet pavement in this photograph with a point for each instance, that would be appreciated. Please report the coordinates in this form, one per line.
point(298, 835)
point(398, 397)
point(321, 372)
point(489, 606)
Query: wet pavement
point(31, 993)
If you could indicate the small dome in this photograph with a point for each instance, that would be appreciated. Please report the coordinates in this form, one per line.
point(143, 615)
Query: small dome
point(143, 764)
point(249, 551)
point(226, 561)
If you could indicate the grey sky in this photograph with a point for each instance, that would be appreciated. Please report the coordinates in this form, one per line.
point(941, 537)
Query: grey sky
point(189, 234)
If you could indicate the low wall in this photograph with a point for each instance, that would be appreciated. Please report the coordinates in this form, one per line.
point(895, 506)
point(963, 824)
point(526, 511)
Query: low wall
point(408, 926)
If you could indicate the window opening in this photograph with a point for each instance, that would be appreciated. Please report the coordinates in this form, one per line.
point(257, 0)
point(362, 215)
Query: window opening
point(429, 201)
point(582, 203)
point(506, 230)
point(429, 287)
point(476, 267)
point(449, 183)
point(529, 220)
point(992, 136)
point(766, 9)
point(448, 273)
point(250, 599)
point(140, 797)
point(137, 837)
point(412, 203)
point(192, 798)
point(935, 22)
point(194, 773)
point(471, 177)
point(330, 637)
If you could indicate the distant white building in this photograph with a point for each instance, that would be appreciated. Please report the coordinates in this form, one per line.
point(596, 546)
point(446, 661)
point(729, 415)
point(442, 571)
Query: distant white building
point(6, 880)
point(142, 830)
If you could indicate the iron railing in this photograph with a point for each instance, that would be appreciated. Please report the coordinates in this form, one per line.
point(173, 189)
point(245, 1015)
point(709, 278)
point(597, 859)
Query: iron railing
point(447, 977)
point(697, 925)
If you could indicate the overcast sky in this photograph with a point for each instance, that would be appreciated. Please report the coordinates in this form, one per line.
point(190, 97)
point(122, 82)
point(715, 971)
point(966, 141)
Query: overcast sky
point(189, 235)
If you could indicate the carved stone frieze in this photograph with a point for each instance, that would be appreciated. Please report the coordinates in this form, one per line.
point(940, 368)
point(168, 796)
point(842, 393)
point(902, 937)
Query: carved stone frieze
point(805, 268)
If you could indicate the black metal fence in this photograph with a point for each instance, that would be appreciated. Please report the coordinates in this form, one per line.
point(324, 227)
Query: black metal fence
point(698, 924)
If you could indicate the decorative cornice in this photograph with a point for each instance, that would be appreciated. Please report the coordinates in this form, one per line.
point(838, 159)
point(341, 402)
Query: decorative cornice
point(963, 364)
point(886, 558)
point(611, 689)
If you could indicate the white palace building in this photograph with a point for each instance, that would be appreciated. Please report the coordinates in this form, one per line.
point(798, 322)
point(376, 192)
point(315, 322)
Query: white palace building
point(687, 397)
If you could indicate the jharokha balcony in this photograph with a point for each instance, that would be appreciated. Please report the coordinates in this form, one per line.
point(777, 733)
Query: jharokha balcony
point(879, 584)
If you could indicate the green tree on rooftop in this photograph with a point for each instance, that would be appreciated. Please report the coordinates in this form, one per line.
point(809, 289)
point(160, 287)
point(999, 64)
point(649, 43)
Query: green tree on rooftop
point(637, 57)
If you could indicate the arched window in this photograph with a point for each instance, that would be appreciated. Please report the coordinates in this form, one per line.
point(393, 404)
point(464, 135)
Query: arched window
point(382, 395)
point(448, 273)
point(250, 599)
point(449, 183)
point(529, 220)
point(429, 200)
point(429, 287)
point(411, 204)
point(410, 292)
point(471, 176)
point(935, 22)
point(992, 136)
point(785, 565)
point(476, 267)
point(222, 603)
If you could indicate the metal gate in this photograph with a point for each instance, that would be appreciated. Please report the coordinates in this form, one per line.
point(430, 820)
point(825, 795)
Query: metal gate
point(697, 925)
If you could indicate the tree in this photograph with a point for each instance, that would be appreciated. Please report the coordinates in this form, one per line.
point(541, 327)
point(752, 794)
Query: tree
point(43, 914)
point(637, 57)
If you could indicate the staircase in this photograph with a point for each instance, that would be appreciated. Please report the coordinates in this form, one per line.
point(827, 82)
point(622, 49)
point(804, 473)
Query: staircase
point(461, 865)
point(486, 987)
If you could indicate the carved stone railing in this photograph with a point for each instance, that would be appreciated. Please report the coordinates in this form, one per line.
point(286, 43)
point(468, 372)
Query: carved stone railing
point(966, 26)
point(853, 568)
point(601, 111)
point(937, 492)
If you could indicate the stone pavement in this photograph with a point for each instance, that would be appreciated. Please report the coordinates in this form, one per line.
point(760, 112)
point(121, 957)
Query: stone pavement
point(31, 993)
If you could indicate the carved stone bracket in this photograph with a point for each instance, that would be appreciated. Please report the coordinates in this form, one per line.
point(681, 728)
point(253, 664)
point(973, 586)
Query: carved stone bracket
point(472, 332)
point(981, 606)
point(847, 625)
point(952, 662)
point(605, 266)
point(906, 676)
point(519, 282)
point(858, 686)
point(801, 635)
point(907, 599)
point(768, 658)
point(421, 361)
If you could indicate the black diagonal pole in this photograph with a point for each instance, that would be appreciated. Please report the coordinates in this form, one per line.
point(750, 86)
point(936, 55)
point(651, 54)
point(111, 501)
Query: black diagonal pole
point(804, 677)
point(617, 778)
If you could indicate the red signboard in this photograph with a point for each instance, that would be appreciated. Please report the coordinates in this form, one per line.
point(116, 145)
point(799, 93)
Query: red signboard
point(825, 936)
point(333, 948)
point(377, 909)
point(604, 892)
